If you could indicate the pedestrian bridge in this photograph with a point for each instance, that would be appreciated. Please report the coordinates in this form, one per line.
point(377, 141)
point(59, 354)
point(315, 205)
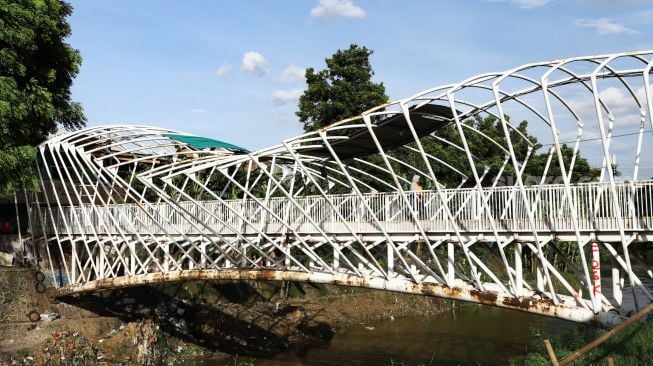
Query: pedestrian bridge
point(437, 194)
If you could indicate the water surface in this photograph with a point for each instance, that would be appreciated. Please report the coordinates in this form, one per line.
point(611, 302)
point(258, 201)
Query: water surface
point(470, 335)
point(474, 335)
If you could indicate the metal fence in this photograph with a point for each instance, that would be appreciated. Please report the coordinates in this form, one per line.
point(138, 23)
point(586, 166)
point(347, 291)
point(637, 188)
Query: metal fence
point(505, 209)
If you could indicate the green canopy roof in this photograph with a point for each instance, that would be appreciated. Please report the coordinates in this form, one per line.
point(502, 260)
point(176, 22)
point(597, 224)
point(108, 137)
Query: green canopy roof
point(204, 142)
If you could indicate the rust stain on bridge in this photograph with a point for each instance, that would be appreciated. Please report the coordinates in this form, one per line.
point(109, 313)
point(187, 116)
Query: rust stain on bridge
point(492, 298)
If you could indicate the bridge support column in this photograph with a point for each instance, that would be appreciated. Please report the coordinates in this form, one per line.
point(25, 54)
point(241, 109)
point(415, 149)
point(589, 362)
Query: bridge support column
point(73, 264)
point(99, 261)
point(102, 260)
point(617, 281)
point(132, 258)
point(166, 256)
point(519, 269)
point(596, 276)
point(202, 249)
point(286, 257)
point(391, 259)
point(451, 258)
point(539, 272)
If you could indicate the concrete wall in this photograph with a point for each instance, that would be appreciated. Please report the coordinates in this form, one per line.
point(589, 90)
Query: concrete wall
point(18, 294)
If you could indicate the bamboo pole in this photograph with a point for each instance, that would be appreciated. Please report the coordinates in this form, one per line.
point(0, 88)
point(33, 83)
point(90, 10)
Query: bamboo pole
point(552, 354)
point(595, 343)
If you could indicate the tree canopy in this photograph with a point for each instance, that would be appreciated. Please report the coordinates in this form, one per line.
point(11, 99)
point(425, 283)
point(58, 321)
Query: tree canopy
point(492, 157)
point(37, 68)
point(344, 89)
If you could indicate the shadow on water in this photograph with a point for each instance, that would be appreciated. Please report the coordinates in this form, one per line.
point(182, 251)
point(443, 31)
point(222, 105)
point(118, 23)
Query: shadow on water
point(474, 335)
point(229, 317)
point(236, 318)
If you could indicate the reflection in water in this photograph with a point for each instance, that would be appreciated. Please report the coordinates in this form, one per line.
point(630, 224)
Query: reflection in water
point(472, 336)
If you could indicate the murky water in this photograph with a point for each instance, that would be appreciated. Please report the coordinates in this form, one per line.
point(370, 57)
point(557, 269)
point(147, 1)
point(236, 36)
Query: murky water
point(475, 335)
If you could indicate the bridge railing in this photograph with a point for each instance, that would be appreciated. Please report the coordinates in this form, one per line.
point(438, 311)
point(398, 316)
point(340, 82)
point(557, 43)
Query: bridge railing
point(468, 209)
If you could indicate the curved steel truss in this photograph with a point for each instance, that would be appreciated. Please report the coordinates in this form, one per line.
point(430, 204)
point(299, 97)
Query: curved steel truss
point(441, 193)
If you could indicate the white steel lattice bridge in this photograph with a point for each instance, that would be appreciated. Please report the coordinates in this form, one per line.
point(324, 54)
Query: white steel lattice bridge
point(438, 194)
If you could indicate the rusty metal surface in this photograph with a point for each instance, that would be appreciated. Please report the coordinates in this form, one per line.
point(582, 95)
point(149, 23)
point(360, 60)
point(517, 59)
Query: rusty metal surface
point(492, 298)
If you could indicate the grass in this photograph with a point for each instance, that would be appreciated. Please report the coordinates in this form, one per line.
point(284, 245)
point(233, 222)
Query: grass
point(631, 347)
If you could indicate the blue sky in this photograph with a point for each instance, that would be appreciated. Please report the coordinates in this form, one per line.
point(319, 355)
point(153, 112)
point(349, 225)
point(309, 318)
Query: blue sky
point(231, 70)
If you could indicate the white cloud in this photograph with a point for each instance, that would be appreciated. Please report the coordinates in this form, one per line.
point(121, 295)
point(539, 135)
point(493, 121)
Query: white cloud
point(621, 103)
point(620, 99)
point(524, 4)
point(255, 63)
point(224, 70)
point(329, 9)
point(292, 74)
point(286, 96)
point(198, 110)
point(529, 4)
point(603, 26)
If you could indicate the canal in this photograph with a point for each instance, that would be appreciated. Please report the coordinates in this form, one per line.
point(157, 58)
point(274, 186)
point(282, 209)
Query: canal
point(473, 335)
point(466, 335)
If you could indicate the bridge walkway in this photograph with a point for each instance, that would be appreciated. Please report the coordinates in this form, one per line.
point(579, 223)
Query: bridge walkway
point(482, 215)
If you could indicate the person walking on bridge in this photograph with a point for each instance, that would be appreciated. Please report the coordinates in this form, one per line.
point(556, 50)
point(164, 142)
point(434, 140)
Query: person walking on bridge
point(416, 191)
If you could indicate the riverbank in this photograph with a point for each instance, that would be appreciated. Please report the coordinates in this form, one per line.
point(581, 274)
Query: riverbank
point(178, 323)
point(630, 347)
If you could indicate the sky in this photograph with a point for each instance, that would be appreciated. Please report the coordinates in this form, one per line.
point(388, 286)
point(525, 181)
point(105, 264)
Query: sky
point(233, 70)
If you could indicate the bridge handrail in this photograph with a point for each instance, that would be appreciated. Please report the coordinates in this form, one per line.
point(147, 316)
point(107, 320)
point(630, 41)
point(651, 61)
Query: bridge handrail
point(550, 208)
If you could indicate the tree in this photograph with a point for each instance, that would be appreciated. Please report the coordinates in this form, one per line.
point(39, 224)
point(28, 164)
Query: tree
point(344, 89)
point(37, 68)
point(491, 157)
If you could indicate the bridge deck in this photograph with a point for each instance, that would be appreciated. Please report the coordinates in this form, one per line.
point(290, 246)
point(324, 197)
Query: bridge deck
point(499, 212)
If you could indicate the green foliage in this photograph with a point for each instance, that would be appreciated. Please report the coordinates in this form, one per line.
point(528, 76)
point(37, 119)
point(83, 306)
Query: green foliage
point(36, 72)
point(488, 155)
point(17, 170)
point(344, 89)
point(582, 172)
point(491, 156)
point(630, 347)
